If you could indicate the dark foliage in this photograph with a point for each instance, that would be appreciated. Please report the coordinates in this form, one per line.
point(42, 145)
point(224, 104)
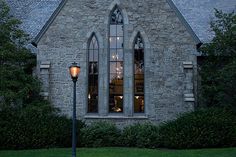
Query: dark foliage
point(141, 135)
point(218, 71)
point(200, 129)
point(26, 120)
point(35, 126)
point(100, 134)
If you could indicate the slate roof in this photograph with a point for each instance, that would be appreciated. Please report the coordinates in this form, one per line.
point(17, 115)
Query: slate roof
point(33, 13)
point(198, 13)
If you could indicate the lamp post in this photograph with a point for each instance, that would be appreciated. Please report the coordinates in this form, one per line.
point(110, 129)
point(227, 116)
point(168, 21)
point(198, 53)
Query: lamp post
point(74, 72)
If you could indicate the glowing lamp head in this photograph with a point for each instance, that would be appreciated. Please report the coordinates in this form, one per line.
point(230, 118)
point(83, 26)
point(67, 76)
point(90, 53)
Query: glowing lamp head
point(74, 71)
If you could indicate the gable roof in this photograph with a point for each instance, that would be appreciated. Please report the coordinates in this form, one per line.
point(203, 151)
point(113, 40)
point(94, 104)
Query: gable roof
point(32, 13)
point(199, 13)
point(185, 23)
point(48, 23)
point(37, 15)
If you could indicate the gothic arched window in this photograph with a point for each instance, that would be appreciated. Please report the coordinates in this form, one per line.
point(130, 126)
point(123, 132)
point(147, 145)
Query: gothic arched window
point(93, 75)
point(116, 37)
point(138, 75)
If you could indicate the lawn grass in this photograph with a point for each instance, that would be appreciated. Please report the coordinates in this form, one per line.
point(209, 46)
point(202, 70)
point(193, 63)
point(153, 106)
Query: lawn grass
point(121, 152)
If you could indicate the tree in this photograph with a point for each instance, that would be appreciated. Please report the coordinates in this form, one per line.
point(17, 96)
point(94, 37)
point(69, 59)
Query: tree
point(26, 120)
point(218, 71)
point(17, 86)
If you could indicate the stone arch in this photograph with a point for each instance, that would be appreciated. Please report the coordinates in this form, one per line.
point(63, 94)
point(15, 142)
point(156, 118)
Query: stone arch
point(98, 37)
point(113, 5)
point(143, 36)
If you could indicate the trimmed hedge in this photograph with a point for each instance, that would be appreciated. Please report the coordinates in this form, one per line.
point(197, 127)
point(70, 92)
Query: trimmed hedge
point(100, 134)
point(141, 135)
point(35, 126)
point(200, 129)
point(40, 127)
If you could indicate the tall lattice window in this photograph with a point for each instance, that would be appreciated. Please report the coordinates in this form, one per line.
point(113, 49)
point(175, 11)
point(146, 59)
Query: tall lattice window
point(93, 76)
point(138, 75)
point(116, 37)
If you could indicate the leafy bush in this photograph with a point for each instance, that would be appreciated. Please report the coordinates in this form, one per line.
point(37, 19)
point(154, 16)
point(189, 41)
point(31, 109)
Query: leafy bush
point(100, 134)
point(200, 129)
point(35, 126)
point(26, 121)
point(140, 135)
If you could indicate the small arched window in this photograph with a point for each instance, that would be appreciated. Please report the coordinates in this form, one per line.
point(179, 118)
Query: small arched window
point(138, 75)
point(93, 75)
point(116, 37)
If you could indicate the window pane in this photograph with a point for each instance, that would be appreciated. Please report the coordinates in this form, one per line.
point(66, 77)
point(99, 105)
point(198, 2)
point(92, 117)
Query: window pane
point(93, 76)
point(116, 17)
point(119, 42)
point(93, 84)
point(116, 67)
point(116, 103)
point(95, 57)
point(112, 78)
point(90, 55)
point(119, 55)
point(116, 85)
point(91, 45)
point(138, 75)
point(116, 62)
point(112, 30)
point(95, 45)
point(138, 104)
point(139, 68)
point(93, 93)
point(138, 55)
point(93, 68)
point(112, 42)
point(139, 86)
point(119, 30)
point(113, 66)
point(113, 55)
point(92, 103)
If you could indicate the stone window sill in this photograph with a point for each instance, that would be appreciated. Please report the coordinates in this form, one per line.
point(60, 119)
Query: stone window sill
point(114, 117)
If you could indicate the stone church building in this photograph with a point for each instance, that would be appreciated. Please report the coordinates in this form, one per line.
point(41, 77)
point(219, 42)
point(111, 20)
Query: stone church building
point(138, 60)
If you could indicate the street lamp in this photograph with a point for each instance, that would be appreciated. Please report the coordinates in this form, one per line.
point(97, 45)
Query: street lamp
point(74, 72)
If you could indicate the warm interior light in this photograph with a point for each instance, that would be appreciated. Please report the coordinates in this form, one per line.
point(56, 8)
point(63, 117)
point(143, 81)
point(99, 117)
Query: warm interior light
point(136, 97)
point(113, 56)
point(89, 96)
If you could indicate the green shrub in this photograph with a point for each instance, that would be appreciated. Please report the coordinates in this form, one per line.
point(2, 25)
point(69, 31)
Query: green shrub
point(34, 126)
point(140, 135)
point(200, 129)
point(100, 134)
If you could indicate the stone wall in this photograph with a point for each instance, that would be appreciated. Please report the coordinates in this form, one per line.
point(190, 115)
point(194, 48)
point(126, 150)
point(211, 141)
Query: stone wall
point(169, 85)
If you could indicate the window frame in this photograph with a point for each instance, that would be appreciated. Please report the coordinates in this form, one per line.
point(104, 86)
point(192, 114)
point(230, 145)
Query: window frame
point(116, 61)
point(93, 36)
point(134, 86)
